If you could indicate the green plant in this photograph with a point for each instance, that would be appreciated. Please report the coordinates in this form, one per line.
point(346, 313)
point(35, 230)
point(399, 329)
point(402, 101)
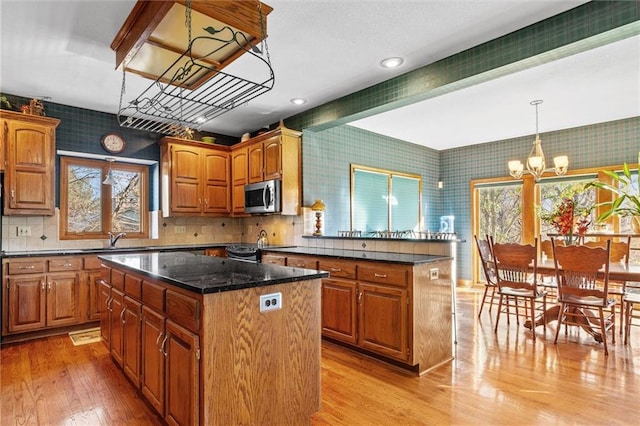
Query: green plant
point(627, 202)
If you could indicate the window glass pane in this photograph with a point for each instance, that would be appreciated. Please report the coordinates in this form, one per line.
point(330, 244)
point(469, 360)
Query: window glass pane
point(552, 192)
point(405, 203)
point(84, 200)
point(371, 193)
point(126, 201)
point(500, 212)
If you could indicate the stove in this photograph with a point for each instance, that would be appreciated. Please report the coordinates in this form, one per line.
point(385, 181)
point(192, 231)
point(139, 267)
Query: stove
point(243, 252)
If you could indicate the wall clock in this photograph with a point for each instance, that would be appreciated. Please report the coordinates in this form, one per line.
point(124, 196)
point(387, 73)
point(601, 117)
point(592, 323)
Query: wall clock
point(113, 143)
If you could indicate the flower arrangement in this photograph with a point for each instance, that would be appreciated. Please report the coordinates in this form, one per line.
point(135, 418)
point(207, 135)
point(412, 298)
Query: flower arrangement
point(568, 219)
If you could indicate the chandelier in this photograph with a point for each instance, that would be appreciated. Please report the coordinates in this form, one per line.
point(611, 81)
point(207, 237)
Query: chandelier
point(189, 85)
point(536, 164)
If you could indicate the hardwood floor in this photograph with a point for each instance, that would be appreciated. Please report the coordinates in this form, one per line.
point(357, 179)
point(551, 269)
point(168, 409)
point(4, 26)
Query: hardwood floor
point(502, 378)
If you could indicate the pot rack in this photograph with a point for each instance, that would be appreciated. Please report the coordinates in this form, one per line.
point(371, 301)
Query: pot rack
point(193, 89)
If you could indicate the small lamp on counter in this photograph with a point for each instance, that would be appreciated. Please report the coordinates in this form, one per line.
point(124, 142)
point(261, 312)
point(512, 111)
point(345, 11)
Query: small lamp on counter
point(319, 207)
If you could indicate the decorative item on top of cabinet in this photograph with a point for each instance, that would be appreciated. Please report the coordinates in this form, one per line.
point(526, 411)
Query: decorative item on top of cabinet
point(195, 178)
point(275, 155)
point(29, 185)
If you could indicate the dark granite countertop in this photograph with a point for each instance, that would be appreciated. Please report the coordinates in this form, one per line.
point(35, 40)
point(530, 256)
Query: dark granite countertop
point(378, 256)
point(205, 274)
point(117, 250)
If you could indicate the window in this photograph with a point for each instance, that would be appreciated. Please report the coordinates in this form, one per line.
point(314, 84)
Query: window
point(383, 200)
point(553, 191)
point(90, 210)
point(499, 211)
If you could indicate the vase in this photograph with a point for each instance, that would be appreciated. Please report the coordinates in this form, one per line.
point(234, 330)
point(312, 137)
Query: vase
point(635, 224)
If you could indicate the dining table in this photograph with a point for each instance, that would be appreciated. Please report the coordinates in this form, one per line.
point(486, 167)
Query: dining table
point(617, 271)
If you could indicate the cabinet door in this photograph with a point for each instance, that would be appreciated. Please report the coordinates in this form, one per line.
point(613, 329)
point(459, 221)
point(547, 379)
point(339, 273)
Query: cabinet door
point(217, 197)
point(105, 313)
point(186, 189)
point(272, 158)
point(152, 368)
point(30, 168)
point(382, 320)
point(256, 166)
point(27, 303)
point(339, 309)
point(63, 299)
point(182, 349)
point(95, 305)
point(239, 170)
point(131, 340)
point(116, 315)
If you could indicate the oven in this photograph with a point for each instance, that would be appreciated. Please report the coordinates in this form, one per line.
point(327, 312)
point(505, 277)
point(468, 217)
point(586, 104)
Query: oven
point(243, 252)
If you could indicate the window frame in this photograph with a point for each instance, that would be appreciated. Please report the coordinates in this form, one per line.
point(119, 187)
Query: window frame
point(106, 219)
point(390, 174)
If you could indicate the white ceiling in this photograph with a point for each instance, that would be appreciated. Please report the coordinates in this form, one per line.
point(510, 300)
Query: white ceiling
point(323, 50)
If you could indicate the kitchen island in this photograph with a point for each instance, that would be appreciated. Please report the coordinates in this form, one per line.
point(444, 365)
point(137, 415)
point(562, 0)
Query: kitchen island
point(215, 341)
point(391, 305)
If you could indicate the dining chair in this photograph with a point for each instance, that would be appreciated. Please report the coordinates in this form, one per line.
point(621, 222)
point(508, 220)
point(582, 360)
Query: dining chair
point(548, 281)
point(488, 269)
point(582, 273)
point(619, 253)
point(517, 279)
point(630, 299)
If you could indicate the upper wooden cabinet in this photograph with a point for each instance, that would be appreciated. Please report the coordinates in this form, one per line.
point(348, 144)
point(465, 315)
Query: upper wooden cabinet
point(29, 150)
point(195, 178)
point(274, 155)
point(240, 177)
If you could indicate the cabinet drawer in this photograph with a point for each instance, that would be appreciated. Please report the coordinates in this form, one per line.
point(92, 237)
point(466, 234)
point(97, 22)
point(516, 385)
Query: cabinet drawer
point(274, 259)
point(153, 295)
point(34, 266)
point(117, 279)
point(60, 264)
point(302, 262)
point(183, 310)
point(133, 286)
point(91, 263)
point(397, 275)
point(338, 268)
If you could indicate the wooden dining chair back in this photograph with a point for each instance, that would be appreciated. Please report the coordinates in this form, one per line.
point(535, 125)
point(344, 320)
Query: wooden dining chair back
point(489, 271)
point(548, 280)
point(517, 278)
point(619, 253)
point(582, 273)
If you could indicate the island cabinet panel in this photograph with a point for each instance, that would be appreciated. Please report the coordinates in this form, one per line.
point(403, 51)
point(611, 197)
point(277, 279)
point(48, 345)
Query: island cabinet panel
point(182, 378)
point(383, 318)
point(131, 340)
point(183, 309)
point(153, 366)
point(116, 314)
point(105, 313)
point(339, 309)
point(395, 310)
point(262, 368)
point(93, 285)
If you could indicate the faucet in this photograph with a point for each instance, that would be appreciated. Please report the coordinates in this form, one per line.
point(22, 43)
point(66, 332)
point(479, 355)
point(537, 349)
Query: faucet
point(113, 239)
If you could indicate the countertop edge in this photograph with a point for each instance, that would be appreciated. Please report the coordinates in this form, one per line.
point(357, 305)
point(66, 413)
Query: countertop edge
point(313, 251)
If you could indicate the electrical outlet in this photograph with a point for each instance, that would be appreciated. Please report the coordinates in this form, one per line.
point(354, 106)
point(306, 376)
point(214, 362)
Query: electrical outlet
point(24, 231)
point(203, 229)
point(270, 302)
point(180, 229)
point(433, 274)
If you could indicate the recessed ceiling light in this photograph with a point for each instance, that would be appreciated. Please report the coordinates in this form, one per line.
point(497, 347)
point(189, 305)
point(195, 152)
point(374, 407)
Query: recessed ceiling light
point(298, 101)
point(392, 62)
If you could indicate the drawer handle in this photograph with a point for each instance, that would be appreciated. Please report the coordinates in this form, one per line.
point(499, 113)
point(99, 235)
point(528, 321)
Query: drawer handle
point(380, 275)
point(162, 346)
point(122, 318)
point(336, 270)
point(63, 265)
point(158, 341)
point(27, 267)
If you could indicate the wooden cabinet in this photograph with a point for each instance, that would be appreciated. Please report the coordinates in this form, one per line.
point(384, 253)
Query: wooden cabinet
point(394, 310)
point(272, 155)
point(153, 335)
point(35, 299)
point(240, 177)
point(274, 259)
point(216, 252)
point(182, 349)
point(195, 178)
point(29, 184)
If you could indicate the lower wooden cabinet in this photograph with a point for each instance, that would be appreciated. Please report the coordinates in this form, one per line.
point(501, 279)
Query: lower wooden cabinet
point(339, 309)
point(26, 303)
point(182, 349)
point(160, 357)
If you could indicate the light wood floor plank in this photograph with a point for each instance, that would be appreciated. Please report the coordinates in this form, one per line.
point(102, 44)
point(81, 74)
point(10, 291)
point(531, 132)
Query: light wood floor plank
point(502, 378)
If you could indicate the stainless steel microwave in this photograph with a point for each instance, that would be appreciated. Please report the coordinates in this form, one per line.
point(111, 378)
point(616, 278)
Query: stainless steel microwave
point(262, 197)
